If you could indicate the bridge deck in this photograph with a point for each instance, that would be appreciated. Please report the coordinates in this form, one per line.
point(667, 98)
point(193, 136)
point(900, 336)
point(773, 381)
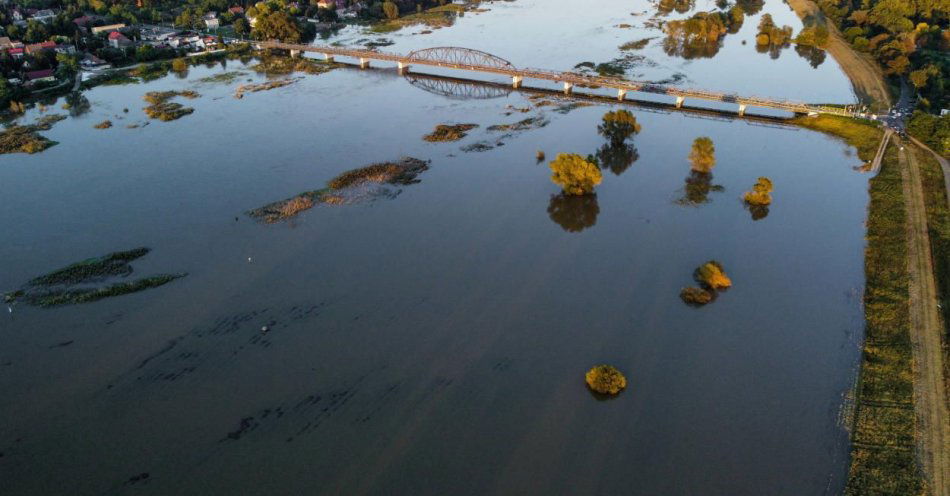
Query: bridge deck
point(494, 65)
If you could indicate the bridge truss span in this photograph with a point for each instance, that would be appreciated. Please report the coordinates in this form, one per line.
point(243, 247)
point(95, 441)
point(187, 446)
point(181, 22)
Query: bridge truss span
point(478, 61)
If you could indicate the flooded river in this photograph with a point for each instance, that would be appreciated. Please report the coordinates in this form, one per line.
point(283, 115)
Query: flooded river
point(433, 339)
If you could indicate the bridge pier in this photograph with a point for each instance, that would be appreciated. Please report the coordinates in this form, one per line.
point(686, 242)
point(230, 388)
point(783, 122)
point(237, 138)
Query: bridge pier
point(621, 94)
point(741, 109)
point(679, 101)
point(328, 57)
point(568, 88)
point(403, 67)
point(294, 53)
point(364, 63)
point(516, 81)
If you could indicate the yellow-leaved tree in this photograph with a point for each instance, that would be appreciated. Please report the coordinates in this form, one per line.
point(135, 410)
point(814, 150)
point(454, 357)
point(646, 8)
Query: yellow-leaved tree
point(574, 174)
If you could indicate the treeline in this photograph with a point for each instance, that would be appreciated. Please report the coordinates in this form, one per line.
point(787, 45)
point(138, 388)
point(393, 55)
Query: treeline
point(908, 38)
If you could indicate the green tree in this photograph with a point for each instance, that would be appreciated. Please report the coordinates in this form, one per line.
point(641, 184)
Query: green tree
point(618, 125)
point(703, 155)
point(277, 26)
point(574, 174)
point(241, 28)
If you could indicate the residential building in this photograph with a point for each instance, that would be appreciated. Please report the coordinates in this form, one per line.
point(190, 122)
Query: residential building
point(118, 40)
point(40, 47)
point(211, 20)
point(46, 75)
point(107, 29)
point(45, 16)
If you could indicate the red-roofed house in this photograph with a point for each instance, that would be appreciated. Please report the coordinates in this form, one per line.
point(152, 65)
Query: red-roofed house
point(16, 53)
point(118, 40)
point(39, 76)
point(237, 10)
point(39, 47)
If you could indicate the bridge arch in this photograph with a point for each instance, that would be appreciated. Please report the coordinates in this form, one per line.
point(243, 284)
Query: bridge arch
point(460, 56)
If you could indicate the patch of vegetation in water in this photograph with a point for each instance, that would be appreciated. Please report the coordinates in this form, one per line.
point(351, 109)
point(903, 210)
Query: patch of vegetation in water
point(863, 135)
point(522, 125)
point(115, 78)
point(481, 146)
point(153, 71)
point(449, 132)
point(348, 187)
point(26, 138)
point(605, 379)
point(162, 109)
point(269, 85)
point(223, 77)
point(636, 45)
point(106, 124)
point(82, 282)
point(277, 65)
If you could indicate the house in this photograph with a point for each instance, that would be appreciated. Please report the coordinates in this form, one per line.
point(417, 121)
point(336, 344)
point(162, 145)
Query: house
point(211, 20)
point(17, 15)
point(90, 61)
point(46, 75)
point(65, 49)
point(237, 10)
point(40, 47)
point(118, 40)
point(16, 53)
point(107, 29)
point(5, 43)
point(45, 16)
point(326, 4)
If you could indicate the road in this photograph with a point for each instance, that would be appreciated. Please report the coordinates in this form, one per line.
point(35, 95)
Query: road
point(926, 330)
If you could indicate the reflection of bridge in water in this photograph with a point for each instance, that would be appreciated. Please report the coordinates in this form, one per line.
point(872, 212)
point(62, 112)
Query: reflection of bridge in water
point(478, 61)
point(458, 89)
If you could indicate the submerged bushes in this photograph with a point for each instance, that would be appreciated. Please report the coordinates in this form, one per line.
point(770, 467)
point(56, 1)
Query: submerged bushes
point(703, 154)
point(26, 139)
point(164, 110)
point(711, 278)
point(574, 174)
point(761, 193)
point(605, 379)
point(449, 132)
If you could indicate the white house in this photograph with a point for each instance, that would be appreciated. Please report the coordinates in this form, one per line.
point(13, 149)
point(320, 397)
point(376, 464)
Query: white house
point(211, 20)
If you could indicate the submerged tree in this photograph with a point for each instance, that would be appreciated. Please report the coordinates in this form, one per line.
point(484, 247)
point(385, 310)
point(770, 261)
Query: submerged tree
point(697, 189)
point(573, 213)
point(703, 154)
point(712, 276)
point(605, 379)
point(574, 174)
point(618, 125)
point(759, 198)
point(694, 296)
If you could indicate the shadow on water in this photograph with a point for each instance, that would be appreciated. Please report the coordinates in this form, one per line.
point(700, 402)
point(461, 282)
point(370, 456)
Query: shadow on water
point(574, 213)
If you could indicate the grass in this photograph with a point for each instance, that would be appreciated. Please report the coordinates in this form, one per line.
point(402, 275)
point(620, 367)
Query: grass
point(882, 451)
point(442, 16)
point(938, 223)
point(636, 45)
point(522, 125)
point(863, 135)
point(60, 286)
point(164, 110)
point(106, 124)
point(449, 132)
point(224, 77)
point(269, 85)
point(281, 65)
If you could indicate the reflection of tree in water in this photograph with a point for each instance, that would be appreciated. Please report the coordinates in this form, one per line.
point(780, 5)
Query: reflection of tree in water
point(695, 48)
point(78, 104)
point(814, 56)
point(698, 187)
point(758, 212)
point(664, 7)
point(697, 37)
point(750, 7)
point(574, 213)
point(617, 158)
point(773, 50)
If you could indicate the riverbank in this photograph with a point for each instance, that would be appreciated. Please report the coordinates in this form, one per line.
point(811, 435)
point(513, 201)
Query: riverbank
point(865, 75)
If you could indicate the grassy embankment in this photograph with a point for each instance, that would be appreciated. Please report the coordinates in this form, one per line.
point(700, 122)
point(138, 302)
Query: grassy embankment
point(883, 460)
point(938, 224)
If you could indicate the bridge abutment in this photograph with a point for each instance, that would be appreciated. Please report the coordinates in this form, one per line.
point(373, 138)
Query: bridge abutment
point(364, 63)
point(403, 67)
point(516, 81)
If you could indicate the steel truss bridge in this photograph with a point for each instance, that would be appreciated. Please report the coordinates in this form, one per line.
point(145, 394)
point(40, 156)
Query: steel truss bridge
point(478, 61)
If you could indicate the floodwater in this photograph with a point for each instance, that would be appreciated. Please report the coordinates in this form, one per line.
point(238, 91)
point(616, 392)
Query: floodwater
point(434, 341)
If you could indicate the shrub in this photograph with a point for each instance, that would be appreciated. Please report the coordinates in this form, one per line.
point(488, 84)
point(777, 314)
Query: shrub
point(447, 132)
point(712, 275)
point(692, 295)
point(619, 125)
point(106, 124)
point(574, 174)
point(703, 154)
point(760, 194)
point(605, 379)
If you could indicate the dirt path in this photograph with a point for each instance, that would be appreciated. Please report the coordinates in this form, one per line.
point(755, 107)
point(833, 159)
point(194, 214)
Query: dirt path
point(944, 164)
point(926, 329)
point(876, 163)
point(865, 75)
